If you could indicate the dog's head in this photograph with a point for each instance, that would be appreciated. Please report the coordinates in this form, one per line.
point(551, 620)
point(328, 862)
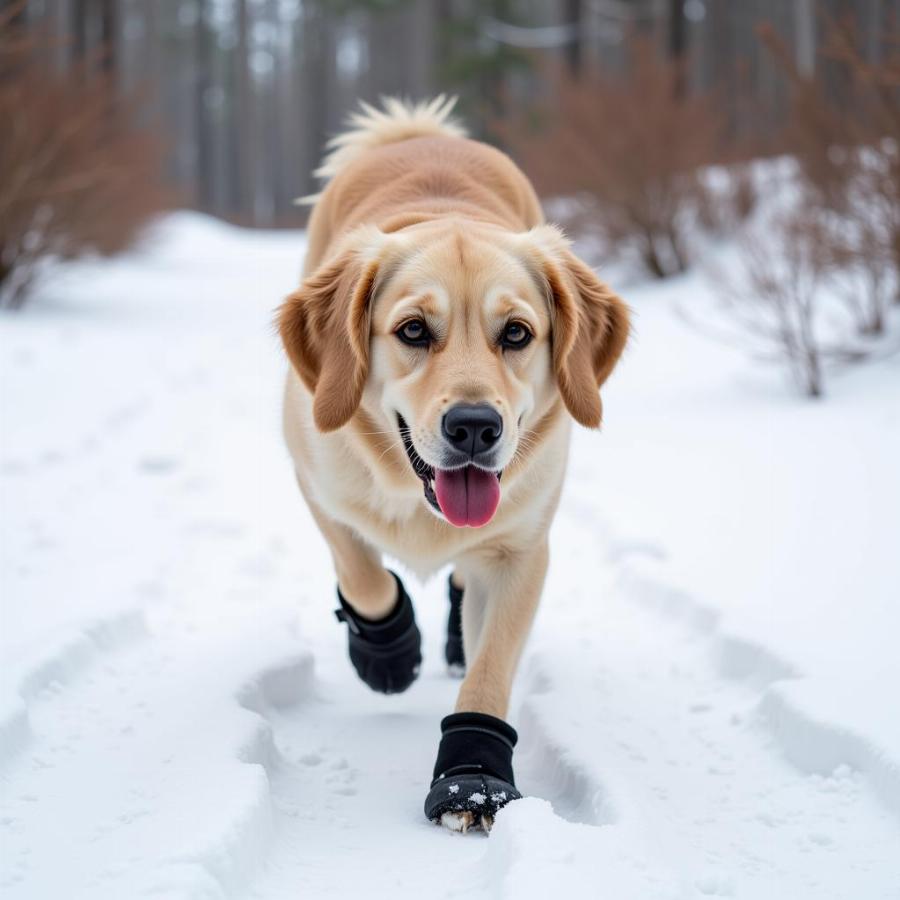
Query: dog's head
point(457, 340)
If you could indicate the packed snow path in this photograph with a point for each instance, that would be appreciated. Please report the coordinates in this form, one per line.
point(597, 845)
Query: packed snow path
point(663, 782)
point(180, 719)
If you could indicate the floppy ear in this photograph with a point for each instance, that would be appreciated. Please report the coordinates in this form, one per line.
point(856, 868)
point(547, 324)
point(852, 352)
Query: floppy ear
point(324, 326)
point(589, 325)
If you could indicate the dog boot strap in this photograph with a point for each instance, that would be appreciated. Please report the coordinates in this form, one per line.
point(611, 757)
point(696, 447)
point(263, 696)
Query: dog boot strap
point(382, 631)
point(475, 743)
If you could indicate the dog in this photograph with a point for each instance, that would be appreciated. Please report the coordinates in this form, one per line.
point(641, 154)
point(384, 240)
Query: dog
point(442, 341)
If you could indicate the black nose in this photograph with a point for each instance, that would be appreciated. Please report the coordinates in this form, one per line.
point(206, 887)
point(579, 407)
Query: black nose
point(472, 428)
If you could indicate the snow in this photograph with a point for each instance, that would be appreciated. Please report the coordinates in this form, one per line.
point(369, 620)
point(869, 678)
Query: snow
point(779, 518)
point(706, 707)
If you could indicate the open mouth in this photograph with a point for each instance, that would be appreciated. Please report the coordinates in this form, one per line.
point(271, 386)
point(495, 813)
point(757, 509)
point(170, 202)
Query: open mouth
point(466, 495)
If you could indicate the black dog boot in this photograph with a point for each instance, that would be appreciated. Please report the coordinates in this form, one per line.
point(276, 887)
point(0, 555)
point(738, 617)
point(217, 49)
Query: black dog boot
point(453, 649)
point(473, 775)
point(386, 653)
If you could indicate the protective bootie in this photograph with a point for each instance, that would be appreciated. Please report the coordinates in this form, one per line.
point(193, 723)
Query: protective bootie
point(453, 649)
point(473, 775)
point(386, 653)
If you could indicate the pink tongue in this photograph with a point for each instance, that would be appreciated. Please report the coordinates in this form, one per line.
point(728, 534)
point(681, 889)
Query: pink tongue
point(467, 496)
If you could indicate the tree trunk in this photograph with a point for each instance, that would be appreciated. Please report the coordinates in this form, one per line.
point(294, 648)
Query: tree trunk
point(422, 51)
point(242, 124)
point(108, 35)
point(651, 257)
point(201, 63)
point(813, 374)
point(805, 30)
point(79, 29)
point(677, 43)
point(574, 11)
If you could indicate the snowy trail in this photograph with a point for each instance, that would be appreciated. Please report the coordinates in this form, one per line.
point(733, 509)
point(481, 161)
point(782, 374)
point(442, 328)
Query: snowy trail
point(667, 783)
point(677, 783)
point(348, 797)
point(178, 715)
point(124, 749)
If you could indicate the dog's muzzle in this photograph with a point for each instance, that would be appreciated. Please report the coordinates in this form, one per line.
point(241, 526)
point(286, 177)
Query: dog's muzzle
point(463, 493)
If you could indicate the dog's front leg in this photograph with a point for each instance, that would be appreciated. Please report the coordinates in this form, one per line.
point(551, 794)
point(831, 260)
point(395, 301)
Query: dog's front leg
point(384, 642)
point(473, 775)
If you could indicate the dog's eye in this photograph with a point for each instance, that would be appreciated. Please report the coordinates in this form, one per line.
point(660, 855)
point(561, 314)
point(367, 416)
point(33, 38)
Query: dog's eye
point(414, 332)
point(515, 336)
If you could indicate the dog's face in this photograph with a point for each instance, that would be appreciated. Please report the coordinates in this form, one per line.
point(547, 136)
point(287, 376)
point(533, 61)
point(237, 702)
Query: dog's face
point(456, 341)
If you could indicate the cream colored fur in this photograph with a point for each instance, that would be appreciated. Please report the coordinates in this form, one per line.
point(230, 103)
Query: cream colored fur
point(398, 121)
point(418, 220)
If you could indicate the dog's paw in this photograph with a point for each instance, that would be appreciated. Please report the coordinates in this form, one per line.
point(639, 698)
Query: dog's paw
point(461, 802)
point(463, 821)
point(456, 670)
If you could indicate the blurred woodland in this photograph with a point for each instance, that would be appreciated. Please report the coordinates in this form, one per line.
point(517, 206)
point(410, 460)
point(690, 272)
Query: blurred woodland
point(245, 92)
point(641, 115)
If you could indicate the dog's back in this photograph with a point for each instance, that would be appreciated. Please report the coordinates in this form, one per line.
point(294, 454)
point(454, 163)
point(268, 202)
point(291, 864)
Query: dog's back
point(398, 121)
point(413, 163)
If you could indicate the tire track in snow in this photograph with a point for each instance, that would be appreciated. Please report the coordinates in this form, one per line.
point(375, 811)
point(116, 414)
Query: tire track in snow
point(680, 749)
point(50, 669)
point(149, 774)
point(663, 778)
point(354, 771)
point(795, 717)
point(347, 797)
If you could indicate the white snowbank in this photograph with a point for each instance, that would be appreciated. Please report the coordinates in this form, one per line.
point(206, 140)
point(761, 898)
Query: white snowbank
point(707, 700)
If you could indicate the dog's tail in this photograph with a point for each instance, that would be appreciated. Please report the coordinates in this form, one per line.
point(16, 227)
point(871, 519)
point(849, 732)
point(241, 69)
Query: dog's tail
point(398, 120)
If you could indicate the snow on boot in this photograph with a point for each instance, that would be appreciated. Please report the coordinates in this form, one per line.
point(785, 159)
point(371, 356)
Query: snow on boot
point(473, 775)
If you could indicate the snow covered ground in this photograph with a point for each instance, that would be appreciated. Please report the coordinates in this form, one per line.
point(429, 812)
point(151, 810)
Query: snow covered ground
point(707, 707)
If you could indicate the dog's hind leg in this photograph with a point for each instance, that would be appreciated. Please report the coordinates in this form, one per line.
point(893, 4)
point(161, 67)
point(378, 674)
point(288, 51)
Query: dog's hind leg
point(473, 775)
point(454, 652)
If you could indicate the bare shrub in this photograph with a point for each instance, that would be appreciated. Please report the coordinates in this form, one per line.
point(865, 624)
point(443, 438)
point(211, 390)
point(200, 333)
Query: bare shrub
point(856, 243)
point(630, 148)
point(780, 303)
point(76, 175)
point(729, 198)
point(847, 143)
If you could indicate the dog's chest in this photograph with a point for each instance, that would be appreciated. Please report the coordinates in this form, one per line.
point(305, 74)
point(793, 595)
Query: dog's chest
point(406, 530)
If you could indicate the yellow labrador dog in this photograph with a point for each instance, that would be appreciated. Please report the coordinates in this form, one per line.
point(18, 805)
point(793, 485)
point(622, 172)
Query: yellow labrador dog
point(440, 344)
